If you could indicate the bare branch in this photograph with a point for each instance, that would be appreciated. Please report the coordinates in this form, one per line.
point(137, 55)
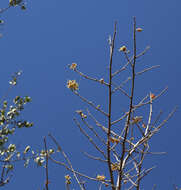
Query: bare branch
point(149, 119)
point(110, 107)
point(118, 187)
point(147, 69)
point(90, 78)
point(121, 89)
point(143, 52)
point(130, 60)
point(94, 157)
point(73, 171)
point(148, 102)
point(93, 131)
point(67, 159)
point(89, 138)
point(90, 103)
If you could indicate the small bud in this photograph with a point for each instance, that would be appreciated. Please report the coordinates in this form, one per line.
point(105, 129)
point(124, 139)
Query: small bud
point(106, 185)
point(101, 80)
point(143, 125)
point(100, 177)
point(123, 48)
point(68, 179)
point(139, 29)
point(125, 181)
point(114, 140)
point(83, 116)
point(137, 119)
point(23, 7)
point(73, 66)
point(152, 96)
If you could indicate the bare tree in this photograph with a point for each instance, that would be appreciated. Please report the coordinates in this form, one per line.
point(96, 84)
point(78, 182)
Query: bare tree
point(123, 150)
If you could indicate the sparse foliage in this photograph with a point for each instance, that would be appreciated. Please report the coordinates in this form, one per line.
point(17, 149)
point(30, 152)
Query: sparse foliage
point(10, 122)
point(123, 150)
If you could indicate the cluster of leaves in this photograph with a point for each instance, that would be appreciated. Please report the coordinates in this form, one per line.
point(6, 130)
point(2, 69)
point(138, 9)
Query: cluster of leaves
point(10, 121)
point(13, 3)
point(40, 156)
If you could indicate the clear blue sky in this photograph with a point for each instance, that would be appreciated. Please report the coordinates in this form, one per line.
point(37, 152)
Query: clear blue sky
point(49, 35)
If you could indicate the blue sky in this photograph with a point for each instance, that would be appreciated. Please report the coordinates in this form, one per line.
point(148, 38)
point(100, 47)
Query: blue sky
point(48, 36)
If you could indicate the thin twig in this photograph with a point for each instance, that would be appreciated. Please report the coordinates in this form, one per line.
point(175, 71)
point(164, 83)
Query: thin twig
point(93, 131)
point(121, 89)
point(163, 123)
point(119, 181)
point(46, 166)
point(89, 138)
point(157, 118)
point(127, 58)
point(90, 78)
point(148, 102)
point(150, 115)
point(4, 9)
point(120, 70)
point(147, 137)
point(67, 159)
point(94, 157)
point(144, 173)
point(147, 69)
point(130, 78)
point(124, 67)
point(110, 106)
point(143, 52)
point(140, 166)
point(2, 174)
point(73, 171)
point(120, 119)
point(90, 103)
point(104, 129)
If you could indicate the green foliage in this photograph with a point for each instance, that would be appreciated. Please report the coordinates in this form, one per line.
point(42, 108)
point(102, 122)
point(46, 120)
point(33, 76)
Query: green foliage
point(10, 122)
